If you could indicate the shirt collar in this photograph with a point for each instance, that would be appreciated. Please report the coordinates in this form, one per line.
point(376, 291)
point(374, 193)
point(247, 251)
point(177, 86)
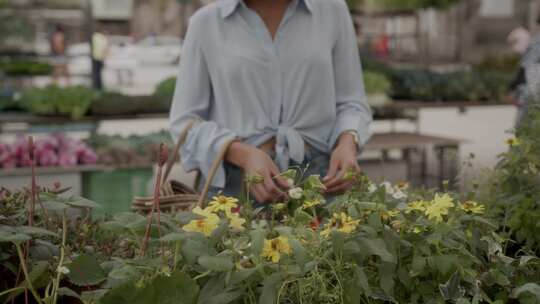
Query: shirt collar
point(227, 7)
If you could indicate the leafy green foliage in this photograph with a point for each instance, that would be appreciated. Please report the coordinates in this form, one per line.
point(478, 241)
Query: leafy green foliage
point(53, 100)
point(513, 191)
point(376, 83)
point(166, 88)
point(25, 67)
point(86, 271)
point(176, 288)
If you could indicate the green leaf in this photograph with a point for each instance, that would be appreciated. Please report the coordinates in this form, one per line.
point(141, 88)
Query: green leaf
point(377, 247)
point(86, 271)
point(216, 263)
point(93, 296)
point(35, 231)
point(10, 237)
point(451, 290)
point(174, 237)
point(178, 288)
point(66, 292)
point(270, 288)
point(193, 249)
point(524, 260)
point(81, 202)
point(362, 280)
point(386, 274)
point(531, 288)
point(125, 273)
point(300, 254)
point(257, 241)
point(39, 276)
point(242, 275)
point(443, 263)
point(225, 297)
point(54, 205)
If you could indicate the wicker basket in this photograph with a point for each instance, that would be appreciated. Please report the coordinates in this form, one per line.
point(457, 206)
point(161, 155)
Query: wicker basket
point(174, 195)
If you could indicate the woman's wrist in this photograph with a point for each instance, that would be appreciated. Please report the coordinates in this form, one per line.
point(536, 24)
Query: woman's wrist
point(348, 139)
point(237, 153)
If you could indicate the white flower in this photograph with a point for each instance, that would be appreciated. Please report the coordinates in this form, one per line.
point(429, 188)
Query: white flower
point(296, 193)
point(372, 188)
point(290, 182)
point(388, 187)
point(62, 270)
point(399, 195)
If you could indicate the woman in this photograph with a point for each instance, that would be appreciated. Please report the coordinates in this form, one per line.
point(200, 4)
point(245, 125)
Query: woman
point(58, 50)
point(283, 78)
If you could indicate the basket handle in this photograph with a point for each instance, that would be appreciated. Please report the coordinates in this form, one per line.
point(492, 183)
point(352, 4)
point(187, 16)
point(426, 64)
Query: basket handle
point(213, 170)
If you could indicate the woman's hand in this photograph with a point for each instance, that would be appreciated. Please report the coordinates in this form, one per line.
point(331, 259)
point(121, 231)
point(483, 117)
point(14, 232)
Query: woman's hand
point(343, 160)
point(256, 162)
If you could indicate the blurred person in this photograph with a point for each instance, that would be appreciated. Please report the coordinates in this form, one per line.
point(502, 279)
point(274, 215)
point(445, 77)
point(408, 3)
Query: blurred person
point(100, 51)
point(58, 51)
point(282, 78)
point(526, 80)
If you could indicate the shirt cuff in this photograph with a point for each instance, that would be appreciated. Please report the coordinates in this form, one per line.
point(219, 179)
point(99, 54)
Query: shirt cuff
point(201, 149)
point(351, 123)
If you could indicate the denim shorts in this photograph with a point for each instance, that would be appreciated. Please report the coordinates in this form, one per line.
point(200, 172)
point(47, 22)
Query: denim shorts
point(315, 163)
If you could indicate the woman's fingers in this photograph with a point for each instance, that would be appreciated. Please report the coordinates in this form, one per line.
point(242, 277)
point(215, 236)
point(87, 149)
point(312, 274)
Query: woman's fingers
point(271, 187)
point(340, 188)
point(279, 180)
point(332, 171)
point(337, 178)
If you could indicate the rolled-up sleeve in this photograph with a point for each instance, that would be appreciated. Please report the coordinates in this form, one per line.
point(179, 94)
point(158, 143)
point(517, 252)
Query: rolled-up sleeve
point(192, 101)
point(353, 111)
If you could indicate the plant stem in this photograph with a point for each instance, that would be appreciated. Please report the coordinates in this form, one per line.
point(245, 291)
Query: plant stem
point(62, 255)
point(5, 292)
point(176, 250)
point(26, 275)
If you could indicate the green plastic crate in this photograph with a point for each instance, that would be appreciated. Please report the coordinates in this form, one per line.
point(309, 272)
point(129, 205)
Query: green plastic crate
point(114, 189)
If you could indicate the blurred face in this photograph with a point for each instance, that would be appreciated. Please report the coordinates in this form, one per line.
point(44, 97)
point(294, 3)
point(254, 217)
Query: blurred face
point(519, 40)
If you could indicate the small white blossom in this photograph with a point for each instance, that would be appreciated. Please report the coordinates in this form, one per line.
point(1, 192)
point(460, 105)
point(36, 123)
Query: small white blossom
point(296, 193)
point(290, 182)
point(62, 270)
point(372, 188)
point(399, 195)
point(388, 187)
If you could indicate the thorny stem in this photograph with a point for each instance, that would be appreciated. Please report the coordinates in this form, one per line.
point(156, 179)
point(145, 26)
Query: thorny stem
point(26, 275)
point(62, 255)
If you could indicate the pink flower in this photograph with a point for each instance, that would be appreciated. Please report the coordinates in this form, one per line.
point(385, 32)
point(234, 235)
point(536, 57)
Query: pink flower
point(47, 158)
point(88, 157)
point(67, 158)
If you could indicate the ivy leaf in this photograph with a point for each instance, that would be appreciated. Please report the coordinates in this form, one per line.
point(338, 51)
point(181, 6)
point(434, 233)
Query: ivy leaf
point(451, 290)
point(216, 263)
point(86, 271)
point(178, 288)
point(377, 247)
point(531, 288)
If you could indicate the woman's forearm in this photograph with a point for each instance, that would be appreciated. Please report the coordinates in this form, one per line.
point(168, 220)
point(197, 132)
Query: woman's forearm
point(237, 153)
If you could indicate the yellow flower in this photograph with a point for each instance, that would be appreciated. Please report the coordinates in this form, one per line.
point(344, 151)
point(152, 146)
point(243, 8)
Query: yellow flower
point(472, 207)
point(311, 203)
point(439, 207)
point(403, 186)
point(205, 225)
point(223, 203)
point(513, 142)
point(416, 206)
point(386, 215)
point(236, 222)
point(342, 223)
point(273, 248)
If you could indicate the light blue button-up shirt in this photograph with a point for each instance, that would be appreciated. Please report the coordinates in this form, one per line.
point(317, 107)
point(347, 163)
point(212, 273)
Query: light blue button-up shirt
point(304, 86)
